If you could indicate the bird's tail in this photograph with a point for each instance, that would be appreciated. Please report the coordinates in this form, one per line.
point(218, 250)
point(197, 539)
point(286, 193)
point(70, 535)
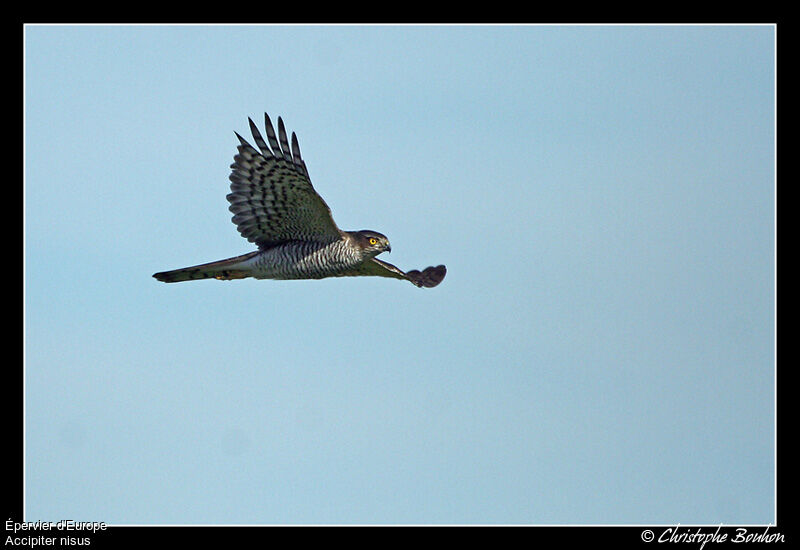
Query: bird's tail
point(224, 270)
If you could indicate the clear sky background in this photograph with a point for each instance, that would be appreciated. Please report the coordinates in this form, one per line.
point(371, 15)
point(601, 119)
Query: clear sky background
point(601, 351)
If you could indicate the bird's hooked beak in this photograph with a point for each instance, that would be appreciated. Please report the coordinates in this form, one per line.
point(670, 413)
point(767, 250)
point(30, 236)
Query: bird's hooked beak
point(388, 247)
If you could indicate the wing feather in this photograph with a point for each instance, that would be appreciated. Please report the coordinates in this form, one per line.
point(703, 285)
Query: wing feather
point(298, 160)
point(284, 142)
point(271, 197)
point(428, 277)
point(262, 145)
point(273, 140)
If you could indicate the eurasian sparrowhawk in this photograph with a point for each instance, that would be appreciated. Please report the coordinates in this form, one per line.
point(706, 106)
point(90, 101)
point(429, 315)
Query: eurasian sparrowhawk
point(276, 207)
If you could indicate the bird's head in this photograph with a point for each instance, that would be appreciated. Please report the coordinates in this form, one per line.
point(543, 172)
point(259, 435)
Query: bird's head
point(372, 242)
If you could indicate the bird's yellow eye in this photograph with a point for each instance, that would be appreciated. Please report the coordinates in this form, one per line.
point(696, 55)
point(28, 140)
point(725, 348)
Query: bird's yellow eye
point(373, 240)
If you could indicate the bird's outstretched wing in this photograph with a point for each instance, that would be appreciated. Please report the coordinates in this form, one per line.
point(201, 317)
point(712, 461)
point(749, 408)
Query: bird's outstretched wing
point(428, 277)
point(271, 197)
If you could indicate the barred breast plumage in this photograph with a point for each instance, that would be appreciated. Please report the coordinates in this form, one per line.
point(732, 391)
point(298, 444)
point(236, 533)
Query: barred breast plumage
point(305, 260)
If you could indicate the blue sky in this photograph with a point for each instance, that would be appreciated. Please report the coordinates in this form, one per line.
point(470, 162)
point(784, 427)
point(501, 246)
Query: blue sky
point(601, 351)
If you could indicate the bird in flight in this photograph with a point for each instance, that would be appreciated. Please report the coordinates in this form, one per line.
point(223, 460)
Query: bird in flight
point(276, 207)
